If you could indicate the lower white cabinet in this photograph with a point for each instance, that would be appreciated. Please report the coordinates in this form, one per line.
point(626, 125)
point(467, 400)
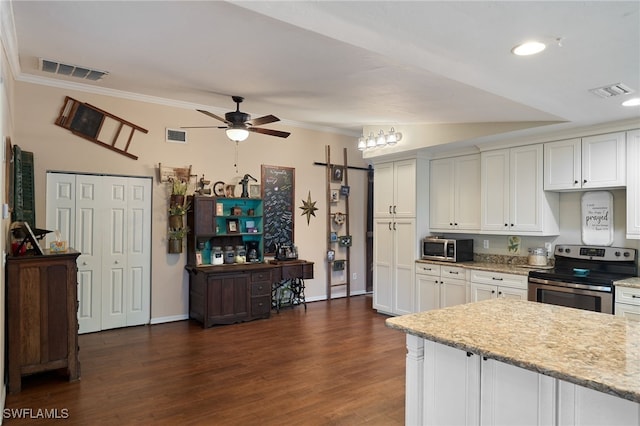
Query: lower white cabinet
point(627, 303)
point(448, 386)
point(491, 285)
point(439, 286)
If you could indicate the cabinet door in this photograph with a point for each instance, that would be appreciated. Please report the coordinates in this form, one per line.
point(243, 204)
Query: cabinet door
point(578, 406)
point(441, 194)
point(428, 289)
point(511, 395)
point(452, 292)
point(383, 186)
point(495, 190)
point(405, 188)
point(633, 184)
point(466, 193)
point(483, 292)
point(405, 255)
point(630, 312)
point(526, 188)
point(563, 165)
point(383, 265)
point(204, 216)
point(228, 298)
point(603, 161)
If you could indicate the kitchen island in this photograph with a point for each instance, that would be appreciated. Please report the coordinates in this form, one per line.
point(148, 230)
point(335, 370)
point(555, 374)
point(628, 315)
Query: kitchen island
point(518, 362)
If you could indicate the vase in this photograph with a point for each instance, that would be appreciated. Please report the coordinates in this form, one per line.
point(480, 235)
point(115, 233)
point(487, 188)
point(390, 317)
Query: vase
point(176, 200)
point(175, 245)
point(175, 221)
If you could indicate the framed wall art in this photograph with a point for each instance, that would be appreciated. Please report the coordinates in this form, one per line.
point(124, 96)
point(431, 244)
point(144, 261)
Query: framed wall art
point(336, 173)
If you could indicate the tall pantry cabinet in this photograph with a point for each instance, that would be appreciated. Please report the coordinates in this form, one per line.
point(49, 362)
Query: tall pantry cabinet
point(633, 184)
point(399, 222)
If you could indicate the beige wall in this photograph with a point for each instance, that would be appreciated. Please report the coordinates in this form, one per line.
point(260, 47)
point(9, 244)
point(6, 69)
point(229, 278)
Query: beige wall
point(209, 152)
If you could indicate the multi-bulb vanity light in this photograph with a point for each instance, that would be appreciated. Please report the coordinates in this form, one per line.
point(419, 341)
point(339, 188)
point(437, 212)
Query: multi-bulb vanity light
point(379, 141)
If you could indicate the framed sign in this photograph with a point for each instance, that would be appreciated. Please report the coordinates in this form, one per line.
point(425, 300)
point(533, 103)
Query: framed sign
point(278, 190)
point(597, 218)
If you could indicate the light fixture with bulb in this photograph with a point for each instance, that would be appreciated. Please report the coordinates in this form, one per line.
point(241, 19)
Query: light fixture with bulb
point(382, 140)
point(237, 133)
point(528, 48)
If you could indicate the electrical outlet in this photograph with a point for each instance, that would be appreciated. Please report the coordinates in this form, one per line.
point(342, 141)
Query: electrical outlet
point(354, 276)
point(485, 244)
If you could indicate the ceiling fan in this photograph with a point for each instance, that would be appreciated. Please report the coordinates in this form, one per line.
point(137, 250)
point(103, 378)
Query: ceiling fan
point(239, 123)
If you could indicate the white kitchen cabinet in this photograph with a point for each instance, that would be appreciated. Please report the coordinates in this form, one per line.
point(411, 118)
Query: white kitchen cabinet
point(461, 388)
point(580, 406)
point(627, 302)
point(588, 163)
point(454, 192)
point(394, 259)
point(440, 286)
point(491, 285)
point(513, 199)
point(399, 216)
point(395, 189)
point(633, 184)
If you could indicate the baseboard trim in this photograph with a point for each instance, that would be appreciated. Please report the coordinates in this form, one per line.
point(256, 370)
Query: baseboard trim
point(173, 318)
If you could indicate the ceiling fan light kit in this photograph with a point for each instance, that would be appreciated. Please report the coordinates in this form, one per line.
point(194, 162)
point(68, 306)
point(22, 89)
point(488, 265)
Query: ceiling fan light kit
point(239, 124)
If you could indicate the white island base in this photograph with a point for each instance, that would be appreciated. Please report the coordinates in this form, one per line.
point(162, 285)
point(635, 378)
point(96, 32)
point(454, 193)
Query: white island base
point(449, 386)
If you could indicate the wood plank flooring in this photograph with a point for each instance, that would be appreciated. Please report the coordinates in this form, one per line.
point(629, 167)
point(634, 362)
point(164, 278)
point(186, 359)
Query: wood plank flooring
point(335, 364)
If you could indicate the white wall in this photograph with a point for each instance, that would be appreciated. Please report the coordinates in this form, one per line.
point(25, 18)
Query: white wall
point(209, 152)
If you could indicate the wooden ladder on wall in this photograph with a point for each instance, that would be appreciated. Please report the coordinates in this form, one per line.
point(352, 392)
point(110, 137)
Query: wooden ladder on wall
point(338, 241)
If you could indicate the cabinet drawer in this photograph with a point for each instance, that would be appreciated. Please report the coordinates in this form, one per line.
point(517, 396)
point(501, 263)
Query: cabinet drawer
point(307, 271)
point(428, 269)
point(261, 276)
point(291, 271)
point(628, 295)
point(498, 278)
point(261, 289)
point(260, 305)
point(454, 272)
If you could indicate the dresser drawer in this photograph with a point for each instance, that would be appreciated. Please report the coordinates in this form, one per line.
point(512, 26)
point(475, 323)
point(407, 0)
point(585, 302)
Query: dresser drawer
point(629, 295)
point(261, 289)
point(261, 276)
point(260, 306)
point(291, 271)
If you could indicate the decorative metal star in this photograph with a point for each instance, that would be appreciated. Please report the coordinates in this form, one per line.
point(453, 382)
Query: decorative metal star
point(308, 208)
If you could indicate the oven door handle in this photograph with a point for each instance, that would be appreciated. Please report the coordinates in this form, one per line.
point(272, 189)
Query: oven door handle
point(571, 285)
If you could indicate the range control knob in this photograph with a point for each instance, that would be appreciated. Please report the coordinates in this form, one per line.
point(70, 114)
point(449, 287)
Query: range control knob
point(627, 254)
point(560, 249)
point(617, 254)
point(568, 250)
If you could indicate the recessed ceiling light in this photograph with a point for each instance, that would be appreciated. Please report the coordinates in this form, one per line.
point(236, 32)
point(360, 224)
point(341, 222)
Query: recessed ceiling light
point(528, 48)
point(632, 102)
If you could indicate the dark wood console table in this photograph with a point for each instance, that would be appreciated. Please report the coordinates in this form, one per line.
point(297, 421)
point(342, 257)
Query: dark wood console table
point(227, 294)
point(42, 322)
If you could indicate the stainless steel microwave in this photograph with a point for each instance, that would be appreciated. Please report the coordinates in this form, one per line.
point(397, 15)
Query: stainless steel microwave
point(447, 249)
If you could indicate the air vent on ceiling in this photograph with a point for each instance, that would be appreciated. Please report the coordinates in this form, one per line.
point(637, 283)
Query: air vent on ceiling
point(84, 73)
point(176, 135)
point(612, 90)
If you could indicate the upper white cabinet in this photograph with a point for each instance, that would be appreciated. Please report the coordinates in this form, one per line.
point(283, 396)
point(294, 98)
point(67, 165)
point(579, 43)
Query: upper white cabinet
point(587, 163)
point(512, 195)
point(633, 184)
point(454, 191)
point(395, 189)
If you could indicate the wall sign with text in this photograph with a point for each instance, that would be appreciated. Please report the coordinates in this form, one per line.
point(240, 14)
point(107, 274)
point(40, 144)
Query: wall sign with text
point(597, 218)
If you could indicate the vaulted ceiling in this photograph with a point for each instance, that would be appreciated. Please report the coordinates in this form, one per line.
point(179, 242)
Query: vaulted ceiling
point(344, 65)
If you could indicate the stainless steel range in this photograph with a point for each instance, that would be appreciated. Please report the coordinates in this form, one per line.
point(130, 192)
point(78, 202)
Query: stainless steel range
point(583, 277)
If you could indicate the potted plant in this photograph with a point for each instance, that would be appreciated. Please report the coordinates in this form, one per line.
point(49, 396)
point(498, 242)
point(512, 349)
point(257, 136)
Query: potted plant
point(178, 192)
point(176, 235)
point(176, 213)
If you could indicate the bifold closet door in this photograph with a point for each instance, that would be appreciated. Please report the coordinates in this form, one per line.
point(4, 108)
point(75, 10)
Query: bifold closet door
point(107, 219)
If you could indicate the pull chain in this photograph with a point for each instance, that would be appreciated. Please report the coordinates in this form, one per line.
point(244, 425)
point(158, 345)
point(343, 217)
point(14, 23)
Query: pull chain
point(236, 159)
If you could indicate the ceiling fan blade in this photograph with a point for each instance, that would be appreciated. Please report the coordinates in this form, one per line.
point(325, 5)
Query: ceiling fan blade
point(264, 120)
point(212, 115)
point(269, 132)
point(203, 127)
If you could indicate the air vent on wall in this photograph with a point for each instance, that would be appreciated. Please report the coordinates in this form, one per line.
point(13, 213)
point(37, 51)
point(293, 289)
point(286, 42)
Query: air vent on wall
point(612, 90)
point(84, 73)
point(176, 135)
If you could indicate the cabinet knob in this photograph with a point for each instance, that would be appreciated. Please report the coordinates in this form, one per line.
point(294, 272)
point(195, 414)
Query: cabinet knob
point(450, 223)
point(390, 212)
point(512, 224)
point(493, 292)
point(575, 182)
point(496, 279)
point(394, 209)
point(584, 181)
point(390, 226)
point(635, 296)
point(454, 272)
point(84, 263)
point(116, 262)
point(506, 224)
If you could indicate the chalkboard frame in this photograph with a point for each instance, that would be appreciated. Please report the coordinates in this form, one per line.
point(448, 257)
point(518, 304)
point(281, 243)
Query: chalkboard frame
point(278, 192)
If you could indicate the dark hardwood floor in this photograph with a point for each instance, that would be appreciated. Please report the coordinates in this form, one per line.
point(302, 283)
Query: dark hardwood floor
point(337, 363)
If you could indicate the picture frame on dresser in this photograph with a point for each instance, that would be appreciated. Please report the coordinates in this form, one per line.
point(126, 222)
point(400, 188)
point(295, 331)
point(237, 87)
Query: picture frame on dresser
point(232, 226)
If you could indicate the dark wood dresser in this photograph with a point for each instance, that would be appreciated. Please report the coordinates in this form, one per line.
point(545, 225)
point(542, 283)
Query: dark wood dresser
point(42, 324)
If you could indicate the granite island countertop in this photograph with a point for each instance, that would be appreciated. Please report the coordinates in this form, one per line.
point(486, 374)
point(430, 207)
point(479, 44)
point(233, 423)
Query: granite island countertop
point(594, 350)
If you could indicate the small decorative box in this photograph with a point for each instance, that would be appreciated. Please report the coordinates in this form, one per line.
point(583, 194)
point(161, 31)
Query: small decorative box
point(58, 246)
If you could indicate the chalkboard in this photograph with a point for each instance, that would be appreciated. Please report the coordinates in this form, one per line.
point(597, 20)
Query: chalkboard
point(278, 190)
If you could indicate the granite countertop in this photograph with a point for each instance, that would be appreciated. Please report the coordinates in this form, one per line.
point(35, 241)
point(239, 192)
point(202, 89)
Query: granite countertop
point(629, 282)
point(594, 350)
